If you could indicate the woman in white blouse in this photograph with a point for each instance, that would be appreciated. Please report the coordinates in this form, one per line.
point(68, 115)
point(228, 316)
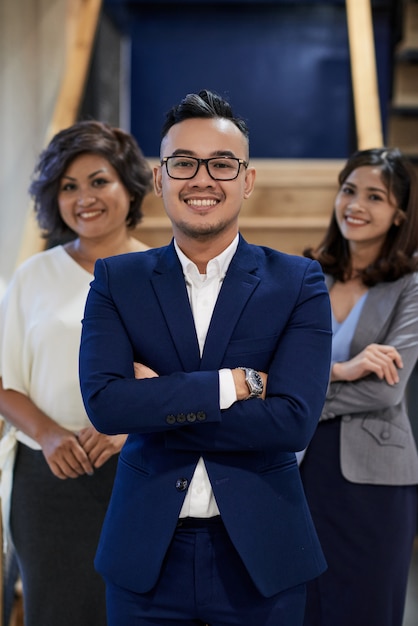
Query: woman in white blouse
point(88, 188)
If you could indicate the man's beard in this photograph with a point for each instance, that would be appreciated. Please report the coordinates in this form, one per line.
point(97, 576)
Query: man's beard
point(202, 232)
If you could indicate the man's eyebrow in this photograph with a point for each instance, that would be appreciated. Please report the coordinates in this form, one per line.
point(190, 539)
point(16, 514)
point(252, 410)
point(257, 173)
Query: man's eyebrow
point(216, 153)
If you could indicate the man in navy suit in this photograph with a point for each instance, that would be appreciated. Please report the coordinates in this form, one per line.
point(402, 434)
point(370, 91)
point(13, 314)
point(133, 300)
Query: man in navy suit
point(213, 355)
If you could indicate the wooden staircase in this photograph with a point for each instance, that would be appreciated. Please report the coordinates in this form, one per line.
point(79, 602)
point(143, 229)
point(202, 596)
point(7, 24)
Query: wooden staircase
point(402, 131)
point(288, 210)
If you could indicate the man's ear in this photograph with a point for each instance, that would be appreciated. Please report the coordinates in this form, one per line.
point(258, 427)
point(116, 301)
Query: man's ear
point(158, 183)
point(249, 182)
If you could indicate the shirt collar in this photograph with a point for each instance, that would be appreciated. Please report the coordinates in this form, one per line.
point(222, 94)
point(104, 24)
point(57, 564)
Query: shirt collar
point(218, 266)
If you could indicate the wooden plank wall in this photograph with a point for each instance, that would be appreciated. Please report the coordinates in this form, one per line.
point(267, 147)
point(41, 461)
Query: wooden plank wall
point(288, 210)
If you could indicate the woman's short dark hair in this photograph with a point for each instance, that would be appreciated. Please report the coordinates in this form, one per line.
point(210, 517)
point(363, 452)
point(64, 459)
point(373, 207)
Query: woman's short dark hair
point(205, 104)
point(88, 136)
point(398, 255)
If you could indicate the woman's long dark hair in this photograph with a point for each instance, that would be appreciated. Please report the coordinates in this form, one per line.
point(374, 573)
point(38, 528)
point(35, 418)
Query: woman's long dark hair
point(398, 255)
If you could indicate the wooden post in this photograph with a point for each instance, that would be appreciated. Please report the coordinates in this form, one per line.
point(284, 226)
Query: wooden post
point(363, 74)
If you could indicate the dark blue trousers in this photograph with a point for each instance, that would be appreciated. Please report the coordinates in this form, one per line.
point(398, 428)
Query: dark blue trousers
point(203, 581)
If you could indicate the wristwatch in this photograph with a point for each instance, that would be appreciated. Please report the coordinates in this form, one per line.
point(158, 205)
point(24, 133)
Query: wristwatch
point(254, 382)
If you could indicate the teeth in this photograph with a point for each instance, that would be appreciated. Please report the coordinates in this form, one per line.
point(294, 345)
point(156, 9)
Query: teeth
point(355, 220)
point(201, 202)
point(89, 213)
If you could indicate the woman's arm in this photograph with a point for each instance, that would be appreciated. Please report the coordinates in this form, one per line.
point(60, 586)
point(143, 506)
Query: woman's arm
point(382, 360)
point(386, 366)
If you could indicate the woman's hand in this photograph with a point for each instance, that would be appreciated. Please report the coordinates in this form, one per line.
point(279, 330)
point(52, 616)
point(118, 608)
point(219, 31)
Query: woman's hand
point(99, 447)
point(384, 361)
point(63, 452)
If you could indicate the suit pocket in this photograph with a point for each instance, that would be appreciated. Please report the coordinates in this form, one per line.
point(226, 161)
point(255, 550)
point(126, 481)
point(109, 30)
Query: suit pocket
point(385, 432)
point(133, 467)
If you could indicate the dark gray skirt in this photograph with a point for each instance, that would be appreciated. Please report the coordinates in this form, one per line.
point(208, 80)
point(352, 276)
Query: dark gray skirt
point(55, 527)
point(366, 532)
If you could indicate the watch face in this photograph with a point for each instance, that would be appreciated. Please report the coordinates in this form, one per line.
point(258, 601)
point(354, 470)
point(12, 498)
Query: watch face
point(256, 382)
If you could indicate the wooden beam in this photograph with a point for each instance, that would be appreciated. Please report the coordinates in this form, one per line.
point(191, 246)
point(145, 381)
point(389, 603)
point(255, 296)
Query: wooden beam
point(83, 17)
point(81, 26)
point(364, 74)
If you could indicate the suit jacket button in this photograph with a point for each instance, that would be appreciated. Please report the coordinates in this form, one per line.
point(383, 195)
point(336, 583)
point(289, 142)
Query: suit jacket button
point(201, 416)
point(181, 418)
point(182, 484)
point(385, 434)
point(191, 417)
point(170, 419)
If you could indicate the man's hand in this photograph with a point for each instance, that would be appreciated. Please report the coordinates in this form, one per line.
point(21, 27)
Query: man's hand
point(241, 386)
point(378, 359)
point(142, 371)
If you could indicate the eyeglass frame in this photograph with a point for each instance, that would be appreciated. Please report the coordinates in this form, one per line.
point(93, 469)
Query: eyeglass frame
point(205, 162)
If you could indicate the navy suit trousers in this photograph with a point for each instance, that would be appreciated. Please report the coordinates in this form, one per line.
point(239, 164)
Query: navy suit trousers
point(203, 581)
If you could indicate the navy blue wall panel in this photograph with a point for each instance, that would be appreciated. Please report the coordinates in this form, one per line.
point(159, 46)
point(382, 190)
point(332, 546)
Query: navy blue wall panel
point(284, 66)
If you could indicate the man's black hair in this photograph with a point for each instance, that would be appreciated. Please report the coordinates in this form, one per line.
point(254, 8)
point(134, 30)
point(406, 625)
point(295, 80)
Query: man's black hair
point(205, 104)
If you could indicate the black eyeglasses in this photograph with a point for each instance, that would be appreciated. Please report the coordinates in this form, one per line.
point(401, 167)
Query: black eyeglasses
point(218, 168)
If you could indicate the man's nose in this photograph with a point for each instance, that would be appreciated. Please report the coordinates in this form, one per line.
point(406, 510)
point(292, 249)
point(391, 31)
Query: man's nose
point(202, 175)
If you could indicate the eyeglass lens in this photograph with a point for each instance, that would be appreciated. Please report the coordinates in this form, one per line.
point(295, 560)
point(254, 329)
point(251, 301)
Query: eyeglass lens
point(219, 168)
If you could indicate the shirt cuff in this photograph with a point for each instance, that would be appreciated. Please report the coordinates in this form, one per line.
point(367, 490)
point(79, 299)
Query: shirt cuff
point(227, 392)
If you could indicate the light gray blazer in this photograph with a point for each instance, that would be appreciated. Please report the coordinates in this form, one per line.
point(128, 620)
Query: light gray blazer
point(377, 443)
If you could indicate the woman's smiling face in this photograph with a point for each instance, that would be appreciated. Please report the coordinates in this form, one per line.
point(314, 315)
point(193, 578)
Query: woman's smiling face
point(92, 199)
point(365, 209)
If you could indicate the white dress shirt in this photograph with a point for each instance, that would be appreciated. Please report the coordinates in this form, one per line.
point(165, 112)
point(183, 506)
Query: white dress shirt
point(203, 290)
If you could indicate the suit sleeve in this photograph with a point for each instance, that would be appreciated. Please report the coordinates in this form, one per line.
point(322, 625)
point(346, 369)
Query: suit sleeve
point(115, 401)
point(297, 382)
point(371, 393)
point(185, 405)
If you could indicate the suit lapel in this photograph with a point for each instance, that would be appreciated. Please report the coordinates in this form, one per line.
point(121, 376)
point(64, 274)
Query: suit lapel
point(171, 292)
point(238, 286)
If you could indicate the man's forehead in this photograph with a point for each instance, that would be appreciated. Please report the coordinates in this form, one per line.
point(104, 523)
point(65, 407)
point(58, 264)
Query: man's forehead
point(218, 133)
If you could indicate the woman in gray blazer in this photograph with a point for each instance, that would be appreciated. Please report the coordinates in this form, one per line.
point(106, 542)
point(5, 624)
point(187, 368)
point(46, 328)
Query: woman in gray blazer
point(360, 471)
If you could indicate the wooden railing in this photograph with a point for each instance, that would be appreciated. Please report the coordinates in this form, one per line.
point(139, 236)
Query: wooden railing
point(81, 26)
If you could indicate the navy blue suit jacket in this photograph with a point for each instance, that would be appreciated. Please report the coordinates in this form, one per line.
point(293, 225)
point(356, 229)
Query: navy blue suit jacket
point(272, 314)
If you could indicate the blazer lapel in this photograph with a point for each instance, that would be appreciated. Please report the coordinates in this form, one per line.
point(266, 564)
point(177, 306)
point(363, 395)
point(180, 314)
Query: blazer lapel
point(171, 292)
point(380, 302)
point(378, 307)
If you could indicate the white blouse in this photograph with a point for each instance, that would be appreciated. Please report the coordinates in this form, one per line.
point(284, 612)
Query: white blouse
point(40, 330)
